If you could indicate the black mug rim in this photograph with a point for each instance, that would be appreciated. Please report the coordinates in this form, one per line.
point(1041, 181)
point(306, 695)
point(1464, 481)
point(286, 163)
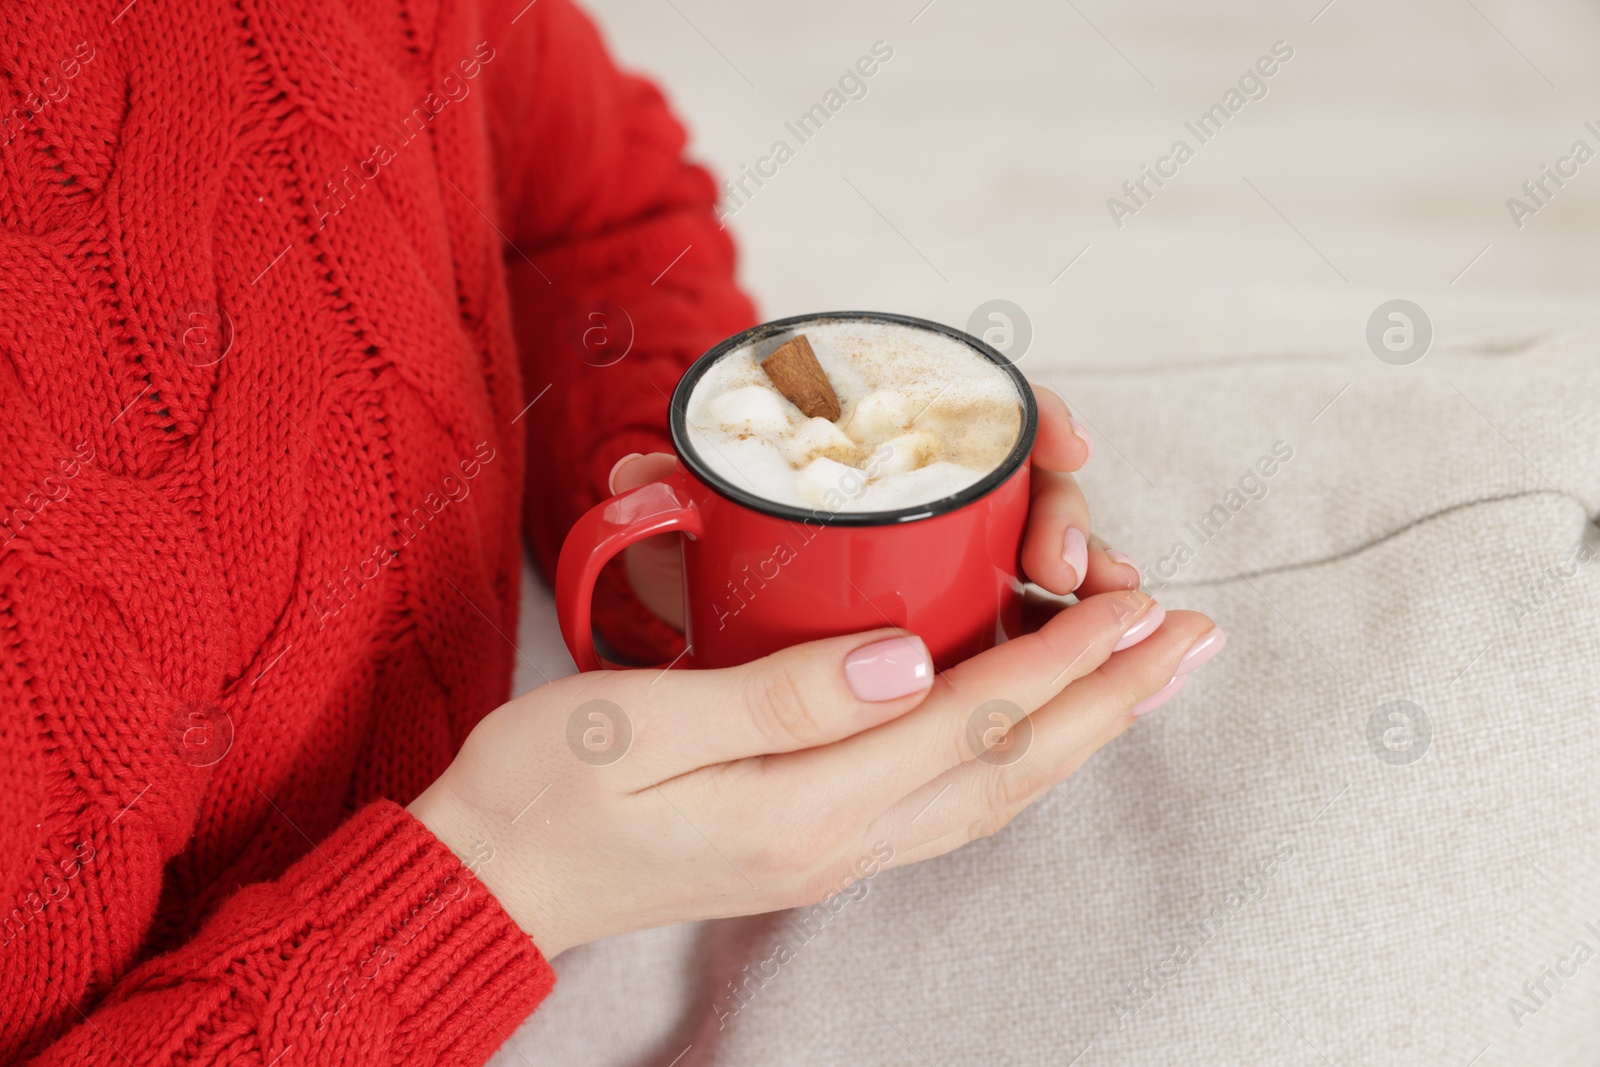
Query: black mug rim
point(678, 421)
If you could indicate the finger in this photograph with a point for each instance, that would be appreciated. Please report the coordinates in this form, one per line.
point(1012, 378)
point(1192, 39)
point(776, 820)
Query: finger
point(1039, 607)
point(801, 697)
point(951, 840)
point(1058, 552)
point(636, 469)
point(987, 792)
point(884, 764)
point(1062, 444)
point(984, 794)
point(1109, 569)
point(653, 554)
point(954, 839)
point(1055, 549)
point(655, 570)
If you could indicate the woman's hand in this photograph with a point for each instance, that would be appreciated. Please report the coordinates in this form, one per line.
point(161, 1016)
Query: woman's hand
point(1059, 553)
point(620, 800)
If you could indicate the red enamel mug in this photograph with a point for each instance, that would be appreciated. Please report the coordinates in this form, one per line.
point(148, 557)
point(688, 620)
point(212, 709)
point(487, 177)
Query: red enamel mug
point(759, 576)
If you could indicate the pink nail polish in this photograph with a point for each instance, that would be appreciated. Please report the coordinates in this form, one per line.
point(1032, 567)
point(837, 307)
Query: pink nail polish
point(1126, 560)
point(884, 670)
point(1075, 551)
point(611, 479)
point(1209, 645)
point(1160, 696)
point(1083, 435)
point(1149, 624)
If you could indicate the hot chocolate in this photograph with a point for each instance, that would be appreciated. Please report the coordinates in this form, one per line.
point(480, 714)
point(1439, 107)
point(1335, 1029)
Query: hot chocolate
point(922, 416)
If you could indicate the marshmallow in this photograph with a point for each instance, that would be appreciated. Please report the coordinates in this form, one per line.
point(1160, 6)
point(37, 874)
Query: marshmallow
point(754, 409)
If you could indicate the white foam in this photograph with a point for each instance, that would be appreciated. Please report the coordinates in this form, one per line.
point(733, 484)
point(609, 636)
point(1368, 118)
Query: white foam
point(923, 416)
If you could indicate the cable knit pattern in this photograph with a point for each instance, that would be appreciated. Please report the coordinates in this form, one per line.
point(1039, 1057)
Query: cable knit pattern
point(620, 226)
point(261, 471)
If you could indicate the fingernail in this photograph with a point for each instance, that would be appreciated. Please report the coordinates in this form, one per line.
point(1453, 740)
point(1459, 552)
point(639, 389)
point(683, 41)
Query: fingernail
point(1160, 696)
point(1149, 624)
point(1126, 560)
point(1202, 650)
point(884, 670)
point(1083, 435)
point(1075, 552)
point(611, 479)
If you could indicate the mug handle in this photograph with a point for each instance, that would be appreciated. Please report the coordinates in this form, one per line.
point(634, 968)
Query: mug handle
point(605, 530)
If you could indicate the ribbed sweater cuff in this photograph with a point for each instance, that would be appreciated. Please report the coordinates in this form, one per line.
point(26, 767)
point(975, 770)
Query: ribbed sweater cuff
point(411, 933)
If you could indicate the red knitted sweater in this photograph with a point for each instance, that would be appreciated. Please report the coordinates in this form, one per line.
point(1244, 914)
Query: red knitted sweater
point(283, 285)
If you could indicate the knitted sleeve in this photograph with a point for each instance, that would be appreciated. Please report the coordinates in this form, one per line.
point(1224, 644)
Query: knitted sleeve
point(379, 947)
point(619, 270)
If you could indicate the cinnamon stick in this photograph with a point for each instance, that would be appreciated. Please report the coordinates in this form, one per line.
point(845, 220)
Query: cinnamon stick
point(795, 372)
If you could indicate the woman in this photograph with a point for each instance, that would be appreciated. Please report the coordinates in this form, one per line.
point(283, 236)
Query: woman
point(268, 273)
